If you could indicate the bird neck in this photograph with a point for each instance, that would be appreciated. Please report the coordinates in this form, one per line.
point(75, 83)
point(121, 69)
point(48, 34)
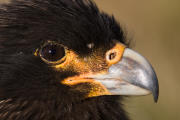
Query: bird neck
point(99, 108)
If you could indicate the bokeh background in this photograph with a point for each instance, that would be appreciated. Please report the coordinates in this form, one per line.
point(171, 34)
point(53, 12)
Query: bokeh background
point(154, 27)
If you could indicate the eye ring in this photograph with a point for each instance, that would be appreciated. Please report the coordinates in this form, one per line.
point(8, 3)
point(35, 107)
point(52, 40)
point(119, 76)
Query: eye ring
point(53, 53)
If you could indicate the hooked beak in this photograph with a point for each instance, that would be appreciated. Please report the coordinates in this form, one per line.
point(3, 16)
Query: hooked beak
point(128, 73)
point(132, 75)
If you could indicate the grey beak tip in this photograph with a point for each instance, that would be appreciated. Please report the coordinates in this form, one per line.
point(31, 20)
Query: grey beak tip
point(156, 94)
point(135, 70)
point(155, 91)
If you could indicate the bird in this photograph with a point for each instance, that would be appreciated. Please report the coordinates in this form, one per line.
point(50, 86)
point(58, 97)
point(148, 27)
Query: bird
point(67, 60)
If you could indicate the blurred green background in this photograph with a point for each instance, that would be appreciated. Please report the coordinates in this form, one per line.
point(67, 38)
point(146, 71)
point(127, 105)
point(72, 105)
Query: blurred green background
point(154, 26)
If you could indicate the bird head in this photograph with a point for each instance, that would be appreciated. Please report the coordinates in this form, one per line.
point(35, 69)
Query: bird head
point(57, 49)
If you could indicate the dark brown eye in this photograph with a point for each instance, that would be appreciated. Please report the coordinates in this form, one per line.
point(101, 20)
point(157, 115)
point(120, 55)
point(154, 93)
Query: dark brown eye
point(52, 52)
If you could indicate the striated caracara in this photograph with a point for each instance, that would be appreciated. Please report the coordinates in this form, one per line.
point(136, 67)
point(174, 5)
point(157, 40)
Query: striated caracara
point(66, 60)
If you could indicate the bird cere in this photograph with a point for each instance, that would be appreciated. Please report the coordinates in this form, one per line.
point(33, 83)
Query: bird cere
point(76, 63)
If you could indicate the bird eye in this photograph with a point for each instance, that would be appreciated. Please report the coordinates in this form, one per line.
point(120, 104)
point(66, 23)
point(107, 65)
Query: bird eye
point(52, 52)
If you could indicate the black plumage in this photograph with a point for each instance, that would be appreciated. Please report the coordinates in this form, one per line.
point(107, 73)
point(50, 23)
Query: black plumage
point(29, 88)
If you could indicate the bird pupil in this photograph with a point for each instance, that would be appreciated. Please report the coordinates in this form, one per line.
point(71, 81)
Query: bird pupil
point(52, 51)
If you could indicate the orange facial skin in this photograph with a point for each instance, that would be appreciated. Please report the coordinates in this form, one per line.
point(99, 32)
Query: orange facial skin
point(96, 63)
point(118, 50)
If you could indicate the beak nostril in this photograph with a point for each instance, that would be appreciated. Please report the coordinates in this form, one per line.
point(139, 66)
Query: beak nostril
point(112, 56)
point(115, 54)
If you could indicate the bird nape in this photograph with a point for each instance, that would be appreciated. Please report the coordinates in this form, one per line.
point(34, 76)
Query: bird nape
point(66, 60)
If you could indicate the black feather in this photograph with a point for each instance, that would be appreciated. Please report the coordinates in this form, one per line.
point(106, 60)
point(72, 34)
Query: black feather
point(29, 88)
